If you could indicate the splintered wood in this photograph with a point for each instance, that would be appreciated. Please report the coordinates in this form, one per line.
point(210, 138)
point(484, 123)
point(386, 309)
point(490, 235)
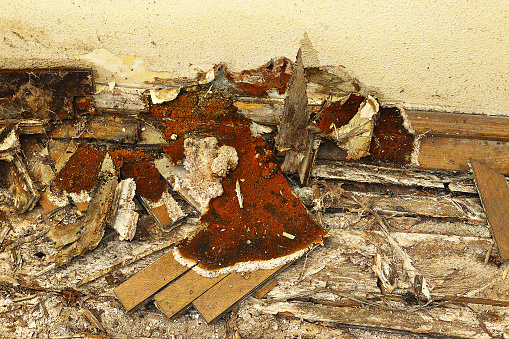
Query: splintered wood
point(494, 194)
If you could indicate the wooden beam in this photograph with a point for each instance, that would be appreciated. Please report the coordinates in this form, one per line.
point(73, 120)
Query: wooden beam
point(146, 283)
point(494, 194)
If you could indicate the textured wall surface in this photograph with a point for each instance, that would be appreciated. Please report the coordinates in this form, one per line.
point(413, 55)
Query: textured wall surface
point(450, 52)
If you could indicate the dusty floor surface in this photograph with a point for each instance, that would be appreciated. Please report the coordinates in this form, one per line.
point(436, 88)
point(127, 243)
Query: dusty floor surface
point(51, 306)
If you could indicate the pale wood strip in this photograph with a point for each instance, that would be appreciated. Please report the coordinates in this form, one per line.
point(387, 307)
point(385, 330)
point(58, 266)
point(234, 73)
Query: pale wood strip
point(181, 293)
point(412, 177)
point(494, 194)
point(453, 153)
point(149, 281)
point(217, 300)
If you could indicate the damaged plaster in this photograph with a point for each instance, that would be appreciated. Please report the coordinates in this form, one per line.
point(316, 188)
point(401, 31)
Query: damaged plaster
point(415, 52)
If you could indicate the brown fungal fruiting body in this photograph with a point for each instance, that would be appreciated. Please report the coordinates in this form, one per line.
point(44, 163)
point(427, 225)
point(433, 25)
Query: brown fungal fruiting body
point(81, 171)
point(238, 236)
point(257, 82)
point(391, 141)
point(250, 235)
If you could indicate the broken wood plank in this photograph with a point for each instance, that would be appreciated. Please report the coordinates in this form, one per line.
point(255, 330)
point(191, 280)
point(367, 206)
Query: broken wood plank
point(411, 177)
point(146, 283)
point(341, 269)
point(124, 99)
point(233, 288)
point(465, 324)
point(21, 186)
point(453, 153)
point(9, 145)
point(42, 93)
point(27, 126)
point(85, 234)
point(494, 194)
point(5, 227)
point(175, 298)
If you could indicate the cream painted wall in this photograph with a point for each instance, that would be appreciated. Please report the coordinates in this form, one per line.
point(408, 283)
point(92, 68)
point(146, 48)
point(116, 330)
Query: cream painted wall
point(444, 52)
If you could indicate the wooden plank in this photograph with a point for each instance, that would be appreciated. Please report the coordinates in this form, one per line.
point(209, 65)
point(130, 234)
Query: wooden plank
point(494, 194)
point(458, 125)
point(293, 135)
point(180, 294)
point(410, 177)
point(149, 281)
point(453, 153)
point(112, 128)
point(222, 296)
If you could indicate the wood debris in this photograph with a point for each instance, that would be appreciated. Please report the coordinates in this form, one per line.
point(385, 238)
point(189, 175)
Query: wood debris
point(123, 217)
point(86, 234)
point(124, 153)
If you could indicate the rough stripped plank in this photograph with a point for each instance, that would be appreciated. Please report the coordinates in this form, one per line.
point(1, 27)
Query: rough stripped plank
point(465, 324)
point(149, 281)
point(412, 177)
point(217, 300)
point(459, 125)
point(494, 194)
point(431, 205)
point(176, 297)
point(453, 153)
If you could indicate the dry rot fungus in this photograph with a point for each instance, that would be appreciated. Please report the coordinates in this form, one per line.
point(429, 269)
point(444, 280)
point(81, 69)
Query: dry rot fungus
point(375, 137)
point(206, 163)
point(260, 81)
point(257, 222)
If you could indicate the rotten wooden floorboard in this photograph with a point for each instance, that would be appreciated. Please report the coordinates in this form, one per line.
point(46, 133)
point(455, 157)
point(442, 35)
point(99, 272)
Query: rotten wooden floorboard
point(341, 271)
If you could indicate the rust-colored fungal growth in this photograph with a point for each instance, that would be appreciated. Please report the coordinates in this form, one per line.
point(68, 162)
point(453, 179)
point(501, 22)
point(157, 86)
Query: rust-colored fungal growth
point(84, 105)
point(196, 105)
point(149, 183)
point(236, 236)
point(81, 171)
point(256, 232)
point(138, 165)
point(256, 82)
point(339, 114)
point(121, 156)
point(391, 141)
point(175, 150)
